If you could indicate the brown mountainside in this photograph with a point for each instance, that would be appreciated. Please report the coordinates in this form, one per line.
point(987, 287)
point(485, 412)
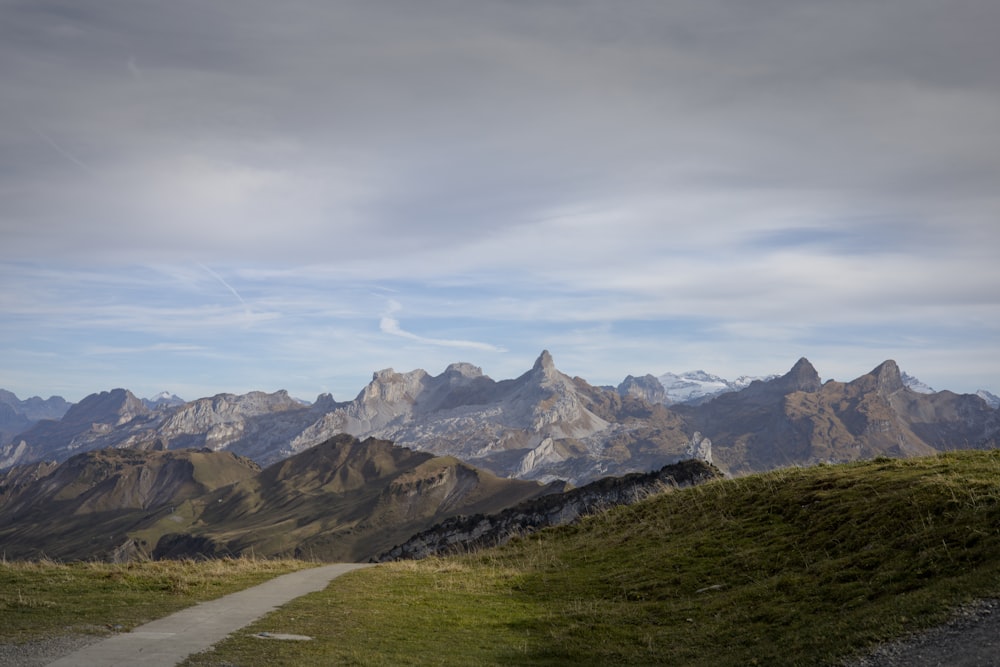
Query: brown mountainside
point(343, 500)
point(795, 420)
point(86, 506)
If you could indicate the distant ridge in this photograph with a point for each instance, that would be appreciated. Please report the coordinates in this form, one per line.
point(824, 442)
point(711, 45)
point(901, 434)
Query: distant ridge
point(17, 416)
point(344, 499)
point(545, 425)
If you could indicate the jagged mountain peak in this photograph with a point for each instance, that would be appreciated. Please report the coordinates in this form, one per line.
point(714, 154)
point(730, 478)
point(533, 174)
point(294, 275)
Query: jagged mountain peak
point(544, 362)
point(885, 378)
point(115, 407)
point(464, 369)
point(802, 377)
point(388, 385)
point(888, 376)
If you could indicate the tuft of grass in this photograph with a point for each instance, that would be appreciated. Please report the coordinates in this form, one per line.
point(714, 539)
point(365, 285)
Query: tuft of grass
point(793, 567)
point(45, 598)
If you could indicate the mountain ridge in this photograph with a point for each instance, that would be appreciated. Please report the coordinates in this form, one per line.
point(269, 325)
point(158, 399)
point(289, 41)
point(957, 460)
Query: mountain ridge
point(344, 499)
point(543, 424)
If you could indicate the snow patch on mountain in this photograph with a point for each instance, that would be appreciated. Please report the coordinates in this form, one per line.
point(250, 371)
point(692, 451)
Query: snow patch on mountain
point(992, 399)
point(688, 387)
point(915, 384)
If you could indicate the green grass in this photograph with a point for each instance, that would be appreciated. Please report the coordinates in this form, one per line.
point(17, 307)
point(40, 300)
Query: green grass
point(40, 599)
point(794, 567)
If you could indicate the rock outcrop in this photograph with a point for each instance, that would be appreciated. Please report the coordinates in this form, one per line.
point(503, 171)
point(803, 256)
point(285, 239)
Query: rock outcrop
point(478, 531)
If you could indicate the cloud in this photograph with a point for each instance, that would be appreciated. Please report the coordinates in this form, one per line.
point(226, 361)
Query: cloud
point(390, 325)
point(246, 307)
point(687, 176)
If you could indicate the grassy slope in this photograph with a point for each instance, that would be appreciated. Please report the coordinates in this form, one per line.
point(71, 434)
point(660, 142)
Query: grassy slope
point(800, 566)
point(41, 599)
point(343, 500)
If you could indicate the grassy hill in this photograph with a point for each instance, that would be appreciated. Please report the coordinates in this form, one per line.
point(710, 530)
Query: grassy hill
point(793, 567)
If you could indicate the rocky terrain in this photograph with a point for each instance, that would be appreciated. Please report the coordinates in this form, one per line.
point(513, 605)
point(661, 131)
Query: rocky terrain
point(478, 531)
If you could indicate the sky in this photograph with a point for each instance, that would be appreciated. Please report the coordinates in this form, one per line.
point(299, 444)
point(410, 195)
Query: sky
point(207, 197)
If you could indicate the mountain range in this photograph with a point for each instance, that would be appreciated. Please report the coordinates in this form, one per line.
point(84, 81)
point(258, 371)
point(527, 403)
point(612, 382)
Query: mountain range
point(545, 425)
point(342, 500)
point(453, 457)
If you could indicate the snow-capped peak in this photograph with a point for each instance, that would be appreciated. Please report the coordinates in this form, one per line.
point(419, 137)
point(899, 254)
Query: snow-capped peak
point(163, 399)
point(692, 385)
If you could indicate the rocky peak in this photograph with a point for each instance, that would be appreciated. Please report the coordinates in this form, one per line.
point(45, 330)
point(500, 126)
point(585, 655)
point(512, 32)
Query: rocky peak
point(389, 386)
point(117, 406)
point(464, 369)
point(887, 377)
point(647, 388)
point(324, 403)
point(802, 377)
point(544, 363)
point(700, 448)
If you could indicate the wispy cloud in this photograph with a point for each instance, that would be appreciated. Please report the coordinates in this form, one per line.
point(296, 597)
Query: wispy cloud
point(246, 306)
point(60, 150)
point(390, 325)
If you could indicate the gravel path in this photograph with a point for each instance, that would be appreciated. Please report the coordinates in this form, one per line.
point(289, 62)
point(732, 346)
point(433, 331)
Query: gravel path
point(43, 651)
point(970, 639)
